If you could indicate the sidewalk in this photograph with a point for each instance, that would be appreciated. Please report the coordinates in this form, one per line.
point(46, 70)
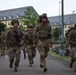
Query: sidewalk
point(65, 58)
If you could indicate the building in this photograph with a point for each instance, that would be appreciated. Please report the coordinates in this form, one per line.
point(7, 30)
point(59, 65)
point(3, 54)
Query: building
point(7, 15)
point(69, 21)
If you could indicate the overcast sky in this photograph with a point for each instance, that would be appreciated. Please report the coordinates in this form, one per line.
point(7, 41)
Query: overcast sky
point(51, 7)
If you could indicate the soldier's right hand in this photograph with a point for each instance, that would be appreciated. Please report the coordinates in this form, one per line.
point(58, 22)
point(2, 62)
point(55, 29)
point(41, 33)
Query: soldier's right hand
point(6, 48)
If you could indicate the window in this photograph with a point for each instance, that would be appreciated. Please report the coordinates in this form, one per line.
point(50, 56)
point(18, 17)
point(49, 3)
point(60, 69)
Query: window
point(65, 26)
point(18, 16)
point(69, 22)
point(11, 17)
point(61, 22)
point(65, 31)
point(9, 23)
point(1, 18)
point(56, 23)
point(69, 26)
point(4, 18)
point(52, 23)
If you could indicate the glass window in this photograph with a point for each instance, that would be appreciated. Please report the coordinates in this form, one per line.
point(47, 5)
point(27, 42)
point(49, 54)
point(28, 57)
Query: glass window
point(65, 26)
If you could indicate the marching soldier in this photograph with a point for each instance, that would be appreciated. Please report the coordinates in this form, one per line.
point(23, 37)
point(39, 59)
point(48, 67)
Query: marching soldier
point(71, 36)
point(43, 37)
point(2, 43)
point(30, 48)
point(14, 40)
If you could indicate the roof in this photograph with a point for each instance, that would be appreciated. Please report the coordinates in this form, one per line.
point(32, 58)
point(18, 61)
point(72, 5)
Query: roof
point(68, 19)
point(14, 12)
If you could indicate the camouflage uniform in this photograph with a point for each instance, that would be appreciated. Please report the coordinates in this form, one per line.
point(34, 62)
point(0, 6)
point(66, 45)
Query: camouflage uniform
point(29, 45)
point(67, 37)
point(43, 35)
point(2, 43)
point(72, 43)
point(13, 39)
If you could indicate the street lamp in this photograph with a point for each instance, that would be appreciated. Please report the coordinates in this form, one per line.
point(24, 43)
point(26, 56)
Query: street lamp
point(62, 45)
point(73, 16)
point(59, 24)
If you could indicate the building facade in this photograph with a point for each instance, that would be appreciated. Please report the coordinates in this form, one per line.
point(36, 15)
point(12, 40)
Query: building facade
point(7, 15)
point(69, 21)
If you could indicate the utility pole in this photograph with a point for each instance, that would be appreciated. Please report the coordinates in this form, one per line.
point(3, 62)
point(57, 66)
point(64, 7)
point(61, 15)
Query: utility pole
point(59, 26)
point(62, 46)
point(73, 16)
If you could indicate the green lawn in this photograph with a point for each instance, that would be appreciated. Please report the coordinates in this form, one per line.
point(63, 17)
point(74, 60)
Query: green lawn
point(66, 58)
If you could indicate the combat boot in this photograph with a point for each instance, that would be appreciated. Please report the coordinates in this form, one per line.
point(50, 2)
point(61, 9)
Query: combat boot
point(11, 65)
point(30, 65)
point(32, 62)
point(74, 66)
point(15, 69)
point(44, 69)
point(71, 63)
point(1, 54)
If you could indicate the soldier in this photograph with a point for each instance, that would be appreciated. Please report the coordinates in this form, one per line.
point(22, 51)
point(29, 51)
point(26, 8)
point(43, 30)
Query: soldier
point(14, 40)
point(30, 48)
point(2, 43)
point(43, 37)
point(67, 37)
point(72, 42)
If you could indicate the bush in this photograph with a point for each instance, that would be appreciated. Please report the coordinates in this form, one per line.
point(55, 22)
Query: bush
point(56, 42)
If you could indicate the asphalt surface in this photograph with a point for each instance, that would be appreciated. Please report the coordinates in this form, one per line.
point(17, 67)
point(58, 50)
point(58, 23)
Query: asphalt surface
point(55, 67)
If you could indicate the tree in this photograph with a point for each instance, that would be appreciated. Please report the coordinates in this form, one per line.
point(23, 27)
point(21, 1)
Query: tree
point(57, 33)
point(30, 17)
point(2, 27)
point(22, 27)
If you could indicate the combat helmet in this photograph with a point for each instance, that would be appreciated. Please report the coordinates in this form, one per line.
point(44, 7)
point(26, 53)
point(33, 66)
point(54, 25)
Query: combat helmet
point(44, 15)
point(30, 26)
point(14, 21)
point(74, 24)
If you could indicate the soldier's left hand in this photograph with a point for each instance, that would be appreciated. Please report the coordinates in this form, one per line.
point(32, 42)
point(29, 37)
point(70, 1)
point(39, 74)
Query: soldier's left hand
point(34, 45)
point(21, 42)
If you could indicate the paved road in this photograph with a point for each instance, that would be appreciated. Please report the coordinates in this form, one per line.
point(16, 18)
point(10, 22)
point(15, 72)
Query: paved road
point(55, 67)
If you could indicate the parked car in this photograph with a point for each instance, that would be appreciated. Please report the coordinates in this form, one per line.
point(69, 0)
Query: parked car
point(56, 49)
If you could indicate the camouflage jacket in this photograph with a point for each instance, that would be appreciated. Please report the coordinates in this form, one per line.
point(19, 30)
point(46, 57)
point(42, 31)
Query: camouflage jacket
point(72, 37)
point(43, 31)
point(66, 34)
point(67, 37)
point(28, 38)
point(13, 38)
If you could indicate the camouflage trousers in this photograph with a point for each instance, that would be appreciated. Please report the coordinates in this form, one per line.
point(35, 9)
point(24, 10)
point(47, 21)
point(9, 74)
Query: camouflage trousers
point(73, 52)
point(43, 48)
point(31, 53)
point(2, 49)
point(14, 55)
point(73, 57)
